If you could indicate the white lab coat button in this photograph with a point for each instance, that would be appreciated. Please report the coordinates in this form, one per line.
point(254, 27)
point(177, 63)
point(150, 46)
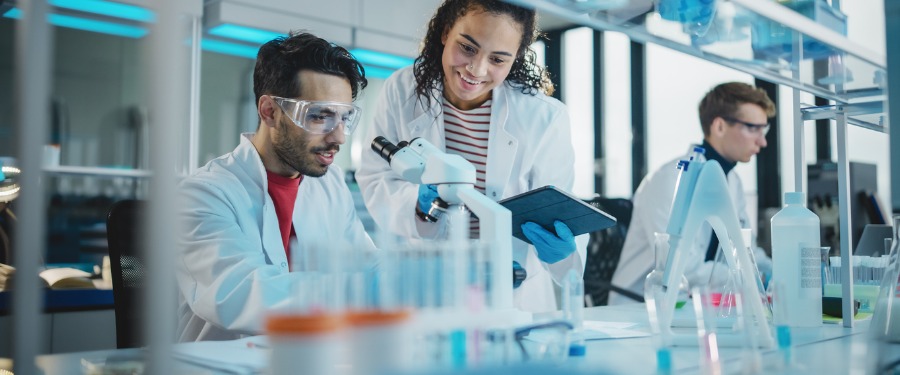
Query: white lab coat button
point(510, 143)
point(493, 193)
point(283, 264)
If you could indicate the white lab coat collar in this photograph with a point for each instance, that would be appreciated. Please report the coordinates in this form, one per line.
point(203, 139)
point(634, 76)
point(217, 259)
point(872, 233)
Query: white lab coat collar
point(251, 162)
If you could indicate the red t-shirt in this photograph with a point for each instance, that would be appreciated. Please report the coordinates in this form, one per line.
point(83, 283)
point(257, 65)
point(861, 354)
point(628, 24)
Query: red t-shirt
point(283, 191)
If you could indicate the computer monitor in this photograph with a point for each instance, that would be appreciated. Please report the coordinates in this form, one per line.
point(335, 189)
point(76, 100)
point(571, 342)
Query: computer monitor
point(871, 243)
point(822, 198)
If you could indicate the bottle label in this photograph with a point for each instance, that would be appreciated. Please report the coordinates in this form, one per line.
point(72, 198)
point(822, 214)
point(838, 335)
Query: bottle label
point(810, 268)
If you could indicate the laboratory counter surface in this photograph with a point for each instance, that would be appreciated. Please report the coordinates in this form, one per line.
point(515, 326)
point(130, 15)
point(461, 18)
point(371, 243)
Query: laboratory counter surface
point(67, 300)
point(829, 349)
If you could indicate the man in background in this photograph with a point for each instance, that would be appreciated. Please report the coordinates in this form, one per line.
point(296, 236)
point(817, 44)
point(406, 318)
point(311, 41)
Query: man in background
point(735, 119)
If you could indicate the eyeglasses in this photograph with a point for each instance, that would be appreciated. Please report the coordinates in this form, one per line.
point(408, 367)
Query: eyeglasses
point(319, 117)
point(755, 129)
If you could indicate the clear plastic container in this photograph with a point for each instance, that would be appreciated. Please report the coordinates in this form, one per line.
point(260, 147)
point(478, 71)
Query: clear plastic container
point(381, 342)
point(304, 343)
point(796, 263)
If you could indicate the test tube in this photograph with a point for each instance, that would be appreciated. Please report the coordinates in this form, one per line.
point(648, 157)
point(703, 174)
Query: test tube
point(574, 312)
point(706, 331)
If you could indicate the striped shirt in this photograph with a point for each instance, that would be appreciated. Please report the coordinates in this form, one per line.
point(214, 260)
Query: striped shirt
point(466, 134)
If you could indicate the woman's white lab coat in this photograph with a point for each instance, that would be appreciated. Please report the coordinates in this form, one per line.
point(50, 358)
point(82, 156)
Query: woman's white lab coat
point(529, 146)
point(232, 267)
point(652, 204)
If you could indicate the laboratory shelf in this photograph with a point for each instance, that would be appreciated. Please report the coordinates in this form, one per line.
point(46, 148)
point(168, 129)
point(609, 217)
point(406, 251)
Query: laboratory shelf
point(759, 37)
point(796, 43)
point(96, 171)
point(869, 115)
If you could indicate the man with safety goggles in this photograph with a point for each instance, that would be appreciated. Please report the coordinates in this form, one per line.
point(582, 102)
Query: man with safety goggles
point(277, 196)
point(734, 117)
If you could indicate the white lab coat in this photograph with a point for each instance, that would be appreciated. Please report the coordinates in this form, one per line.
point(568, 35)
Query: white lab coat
point(231, 266)
point(652, 204)
point(529, 146)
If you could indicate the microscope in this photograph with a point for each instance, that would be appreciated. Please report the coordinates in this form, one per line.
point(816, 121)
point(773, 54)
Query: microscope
point(701, 194)
point(420, 162)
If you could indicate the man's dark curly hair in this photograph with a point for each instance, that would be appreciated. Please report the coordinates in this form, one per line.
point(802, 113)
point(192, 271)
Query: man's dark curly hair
point(524, 74)
point(280, 59)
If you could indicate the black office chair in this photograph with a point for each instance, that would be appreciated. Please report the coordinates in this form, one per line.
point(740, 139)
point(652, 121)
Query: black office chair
point(604, 250)
point(123, 232)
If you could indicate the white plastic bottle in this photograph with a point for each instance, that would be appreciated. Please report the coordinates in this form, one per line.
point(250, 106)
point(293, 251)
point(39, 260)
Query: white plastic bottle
point(796, 262)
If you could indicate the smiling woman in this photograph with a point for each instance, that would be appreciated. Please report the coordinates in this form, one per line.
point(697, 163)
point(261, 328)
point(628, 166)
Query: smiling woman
point(475, 91)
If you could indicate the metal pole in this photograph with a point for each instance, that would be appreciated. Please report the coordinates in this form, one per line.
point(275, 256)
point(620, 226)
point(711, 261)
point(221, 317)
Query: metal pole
point(167, 68)
point(194, 137)
point(799, 141)
point(33, 60)
point(844, 208)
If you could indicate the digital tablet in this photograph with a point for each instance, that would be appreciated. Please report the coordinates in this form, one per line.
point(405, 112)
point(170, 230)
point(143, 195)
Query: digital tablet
point(546, 204)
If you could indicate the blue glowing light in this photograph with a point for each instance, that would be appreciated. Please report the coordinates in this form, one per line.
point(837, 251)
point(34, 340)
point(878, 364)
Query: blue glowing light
point(79, 23)
point(107, 8)
point(244, 33)
point(381, 59)
point(227, 48)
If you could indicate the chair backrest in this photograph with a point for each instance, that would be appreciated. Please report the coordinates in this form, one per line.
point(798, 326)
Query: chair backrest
point(604, 249)
point(123, 233)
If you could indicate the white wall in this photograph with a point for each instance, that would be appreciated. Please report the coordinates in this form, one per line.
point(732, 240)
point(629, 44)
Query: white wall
point(578, 94)
point(675, 85)
point(617, 130)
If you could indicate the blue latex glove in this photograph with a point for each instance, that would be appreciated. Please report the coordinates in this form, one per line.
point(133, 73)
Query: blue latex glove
point(550, 247)
point(427, 194)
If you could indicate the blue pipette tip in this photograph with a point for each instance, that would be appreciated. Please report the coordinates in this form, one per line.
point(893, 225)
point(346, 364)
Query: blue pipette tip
point(577, 350)
point(663, 360)
point(784, 336)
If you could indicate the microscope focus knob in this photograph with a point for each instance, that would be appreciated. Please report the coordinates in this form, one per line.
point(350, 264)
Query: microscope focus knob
point(519, 274)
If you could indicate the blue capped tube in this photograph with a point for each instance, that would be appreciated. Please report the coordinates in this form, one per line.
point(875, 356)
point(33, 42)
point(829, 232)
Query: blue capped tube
point(574, 312)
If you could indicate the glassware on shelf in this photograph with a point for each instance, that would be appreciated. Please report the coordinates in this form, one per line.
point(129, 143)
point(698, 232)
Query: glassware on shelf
point(776, 41)
point(695, 15)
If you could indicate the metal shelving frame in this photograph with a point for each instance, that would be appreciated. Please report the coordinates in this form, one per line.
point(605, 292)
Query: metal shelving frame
point(852, 102)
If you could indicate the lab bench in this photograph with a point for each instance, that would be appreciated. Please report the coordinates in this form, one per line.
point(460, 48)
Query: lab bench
point(830, 349)
point(73, 320)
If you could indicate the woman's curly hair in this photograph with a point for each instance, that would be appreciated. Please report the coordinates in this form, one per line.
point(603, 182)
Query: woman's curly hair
point(524, 74)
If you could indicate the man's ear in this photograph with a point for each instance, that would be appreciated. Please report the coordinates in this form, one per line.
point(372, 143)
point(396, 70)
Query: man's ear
point(717, 128)
point(266, 109)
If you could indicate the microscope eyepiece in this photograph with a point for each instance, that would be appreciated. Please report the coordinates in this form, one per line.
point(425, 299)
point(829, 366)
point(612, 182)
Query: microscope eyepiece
point(384, 148)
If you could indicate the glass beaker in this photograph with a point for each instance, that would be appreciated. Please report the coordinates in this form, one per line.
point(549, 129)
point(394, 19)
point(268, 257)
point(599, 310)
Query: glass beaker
point(653, 284)
point(885, 324)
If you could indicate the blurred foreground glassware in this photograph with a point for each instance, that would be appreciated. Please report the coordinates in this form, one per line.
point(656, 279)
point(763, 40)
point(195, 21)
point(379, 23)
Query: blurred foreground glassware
point(885, 324)
point(704, 313)
point(654, 292)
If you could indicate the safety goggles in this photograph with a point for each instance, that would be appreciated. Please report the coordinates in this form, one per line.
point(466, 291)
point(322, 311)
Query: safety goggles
point(320, 117)
point(755, 129)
